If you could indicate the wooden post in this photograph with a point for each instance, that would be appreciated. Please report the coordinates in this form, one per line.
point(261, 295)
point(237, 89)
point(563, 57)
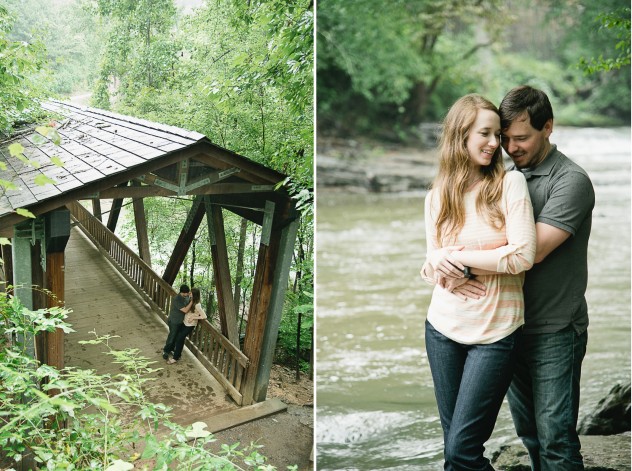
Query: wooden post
point(266, 304)
point(115, 210)
point(22, 276)
point(7, 260)
point(55, 283)
point(194, 219)
point(219, 253)
point(96, 209)
point(279, 287)
point(38, 295)
point(141, 228)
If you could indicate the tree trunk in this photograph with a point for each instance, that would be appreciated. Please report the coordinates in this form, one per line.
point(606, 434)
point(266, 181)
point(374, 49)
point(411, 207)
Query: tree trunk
point(192, 267)
point(240, 261)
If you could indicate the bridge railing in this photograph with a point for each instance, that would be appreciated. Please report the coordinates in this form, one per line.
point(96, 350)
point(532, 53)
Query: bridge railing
point(218, 355)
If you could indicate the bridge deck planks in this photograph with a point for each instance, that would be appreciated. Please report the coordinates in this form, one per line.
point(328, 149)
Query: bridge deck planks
point(103, 301)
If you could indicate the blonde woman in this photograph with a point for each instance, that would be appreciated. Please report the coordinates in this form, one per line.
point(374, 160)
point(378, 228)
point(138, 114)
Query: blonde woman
point(479, 224)
point(190, 321)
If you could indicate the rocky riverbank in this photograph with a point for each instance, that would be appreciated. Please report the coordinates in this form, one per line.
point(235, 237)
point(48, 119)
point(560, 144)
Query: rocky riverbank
point(600, 452)
point(365, 166)
point(604, 435)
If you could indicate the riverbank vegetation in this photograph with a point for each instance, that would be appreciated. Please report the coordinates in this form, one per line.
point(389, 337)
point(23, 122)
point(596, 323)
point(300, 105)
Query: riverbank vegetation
point(385, 67)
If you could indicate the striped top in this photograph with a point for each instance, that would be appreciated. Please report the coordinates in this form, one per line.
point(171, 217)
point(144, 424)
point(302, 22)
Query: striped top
point(512, 249)
point(191, 318)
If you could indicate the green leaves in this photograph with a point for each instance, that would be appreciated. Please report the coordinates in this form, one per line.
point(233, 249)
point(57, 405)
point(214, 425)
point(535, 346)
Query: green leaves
point(197, 430)
point(120, 465)
point(42, 180)
point(16, 149)
point(25, 212)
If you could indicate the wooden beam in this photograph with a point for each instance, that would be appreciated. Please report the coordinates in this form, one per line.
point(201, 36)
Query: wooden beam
point(213, 158)
point(22, 276)
point(275, 311)
point(219, 253)
point(55, 283)
point(7, 260)
point(245, 414)
point(141, 228)
point(196, 214)
point(145, 191)
point(96, 208)
point(259, 305)
point(38, 295)
point(115, 210)
point(249, 169)
point(89, 190)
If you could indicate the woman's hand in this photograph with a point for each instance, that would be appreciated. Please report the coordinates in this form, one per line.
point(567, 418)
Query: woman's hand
point(444, 264)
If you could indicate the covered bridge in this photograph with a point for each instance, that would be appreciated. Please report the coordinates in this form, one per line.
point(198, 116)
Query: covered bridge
point(107, 156)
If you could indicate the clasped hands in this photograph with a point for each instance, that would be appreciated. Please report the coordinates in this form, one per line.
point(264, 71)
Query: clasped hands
point(449, 274)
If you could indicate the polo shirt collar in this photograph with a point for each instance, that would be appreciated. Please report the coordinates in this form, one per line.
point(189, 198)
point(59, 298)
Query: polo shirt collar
point(545, 167)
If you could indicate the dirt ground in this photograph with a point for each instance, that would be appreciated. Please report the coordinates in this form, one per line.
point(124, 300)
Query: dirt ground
point(287, 437)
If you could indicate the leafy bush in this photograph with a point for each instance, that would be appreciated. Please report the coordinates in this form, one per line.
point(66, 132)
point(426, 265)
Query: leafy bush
point(78, 419)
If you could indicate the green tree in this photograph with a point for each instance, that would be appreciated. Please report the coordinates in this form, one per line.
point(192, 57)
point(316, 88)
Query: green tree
point(389, 58)
point(139, 50)
point(616, 25)
point(20, 62)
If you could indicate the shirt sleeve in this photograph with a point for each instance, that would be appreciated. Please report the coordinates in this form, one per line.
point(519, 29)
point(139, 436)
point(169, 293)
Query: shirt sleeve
point(200, 312)
point(571, 199)
point(427, 271)
point(519, 253)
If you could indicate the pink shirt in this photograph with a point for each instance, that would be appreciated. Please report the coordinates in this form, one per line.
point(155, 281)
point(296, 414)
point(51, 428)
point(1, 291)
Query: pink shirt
point(191, 318)
point(511, 249)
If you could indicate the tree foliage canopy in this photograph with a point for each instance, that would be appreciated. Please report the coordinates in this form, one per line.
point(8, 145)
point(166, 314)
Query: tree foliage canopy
point(384, 66)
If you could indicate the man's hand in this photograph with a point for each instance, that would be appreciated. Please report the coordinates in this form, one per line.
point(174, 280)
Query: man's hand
point(466, 288)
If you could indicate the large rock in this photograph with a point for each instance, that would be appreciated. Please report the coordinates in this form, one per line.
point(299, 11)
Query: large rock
point(611, 415)
point(601, 453)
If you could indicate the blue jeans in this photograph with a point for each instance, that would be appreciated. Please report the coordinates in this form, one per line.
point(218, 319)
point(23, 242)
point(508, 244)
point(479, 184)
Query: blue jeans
point(544, 398)
point(470, 382)
point(182, 335)
point(172, 337)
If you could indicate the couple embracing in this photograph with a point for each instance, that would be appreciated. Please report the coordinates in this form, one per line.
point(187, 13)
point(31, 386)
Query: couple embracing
point(184, 313)
point(507, 253)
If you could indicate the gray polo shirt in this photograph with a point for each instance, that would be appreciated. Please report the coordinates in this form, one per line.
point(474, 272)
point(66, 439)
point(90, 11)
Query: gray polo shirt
point(175, 314)
point(554, 290)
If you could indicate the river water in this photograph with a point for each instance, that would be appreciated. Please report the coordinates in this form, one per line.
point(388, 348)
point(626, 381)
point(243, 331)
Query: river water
point(375, 402)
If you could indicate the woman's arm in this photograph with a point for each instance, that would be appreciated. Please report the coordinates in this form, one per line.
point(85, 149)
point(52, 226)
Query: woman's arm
point(186, 308)
point(518, 254)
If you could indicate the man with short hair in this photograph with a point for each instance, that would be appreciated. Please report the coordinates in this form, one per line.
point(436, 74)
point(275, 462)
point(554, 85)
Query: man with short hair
point(544, 394)
point(180, 304)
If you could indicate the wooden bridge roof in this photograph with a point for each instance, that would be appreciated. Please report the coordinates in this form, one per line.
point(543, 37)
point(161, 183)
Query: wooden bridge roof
point(103, 151)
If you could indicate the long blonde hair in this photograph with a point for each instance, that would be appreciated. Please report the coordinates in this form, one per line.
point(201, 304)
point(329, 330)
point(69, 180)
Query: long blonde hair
point(455, 171)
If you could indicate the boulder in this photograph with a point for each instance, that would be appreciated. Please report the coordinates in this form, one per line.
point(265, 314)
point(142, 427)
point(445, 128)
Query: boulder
point(611, 415)
point(600, 452)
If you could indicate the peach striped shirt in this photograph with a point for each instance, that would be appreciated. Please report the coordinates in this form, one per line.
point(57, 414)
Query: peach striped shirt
point(512, 248)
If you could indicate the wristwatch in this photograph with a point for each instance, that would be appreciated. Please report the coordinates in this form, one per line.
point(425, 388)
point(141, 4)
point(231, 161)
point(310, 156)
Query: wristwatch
point(467, 273)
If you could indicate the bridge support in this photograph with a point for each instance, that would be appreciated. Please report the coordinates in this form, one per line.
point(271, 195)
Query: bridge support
point(219, 253)
point(266, 304)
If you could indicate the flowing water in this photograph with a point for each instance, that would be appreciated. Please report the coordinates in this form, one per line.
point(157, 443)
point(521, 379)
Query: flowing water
point(375, 402)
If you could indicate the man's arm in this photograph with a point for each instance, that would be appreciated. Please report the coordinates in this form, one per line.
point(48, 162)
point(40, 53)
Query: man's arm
point(548, 238)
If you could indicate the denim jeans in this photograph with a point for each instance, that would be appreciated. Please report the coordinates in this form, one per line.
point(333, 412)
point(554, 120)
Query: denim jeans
point(544, 398)
point(174, 330)
point(182, 335)
point(470, 382)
